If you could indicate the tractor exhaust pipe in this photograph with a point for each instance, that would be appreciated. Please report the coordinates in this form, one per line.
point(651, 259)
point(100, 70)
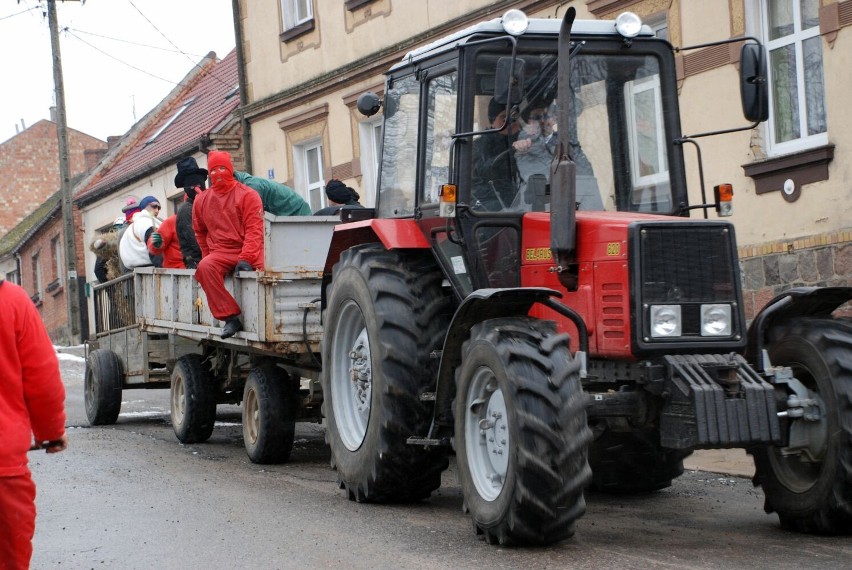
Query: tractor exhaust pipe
point(563, 175)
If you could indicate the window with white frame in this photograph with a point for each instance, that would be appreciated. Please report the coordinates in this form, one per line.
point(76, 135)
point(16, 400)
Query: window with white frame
point(371, 152)
point(660, 24)
point(797, 94)
point(309, 168)
point(56, 247)
point(38, 285)
point(296, 12)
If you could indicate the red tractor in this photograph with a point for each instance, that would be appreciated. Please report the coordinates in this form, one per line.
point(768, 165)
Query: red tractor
point(530, 294)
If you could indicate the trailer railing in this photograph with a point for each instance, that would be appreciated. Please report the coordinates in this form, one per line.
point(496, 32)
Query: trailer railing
point(114, 304)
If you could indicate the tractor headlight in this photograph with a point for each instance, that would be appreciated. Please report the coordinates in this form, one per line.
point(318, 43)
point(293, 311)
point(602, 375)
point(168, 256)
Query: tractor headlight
point(665, 321)
point(715, 320)
point(628, 25)
point(515, 22)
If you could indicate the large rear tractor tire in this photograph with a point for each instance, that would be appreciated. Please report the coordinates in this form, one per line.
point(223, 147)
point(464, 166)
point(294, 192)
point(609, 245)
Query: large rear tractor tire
point(810, 486)
point(102, 387)
point(521, 436)
point(269, 415)
point(633, 462)
point(387, 313)
point(193, 400)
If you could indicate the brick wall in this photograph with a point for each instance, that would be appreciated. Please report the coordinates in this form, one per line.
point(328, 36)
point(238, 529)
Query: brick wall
point(52, 302)
point(769, 269)
point(29, 168)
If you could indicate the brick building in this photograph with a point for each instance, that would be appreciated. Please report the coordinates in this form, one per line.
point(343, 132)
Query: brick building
point(29, 168)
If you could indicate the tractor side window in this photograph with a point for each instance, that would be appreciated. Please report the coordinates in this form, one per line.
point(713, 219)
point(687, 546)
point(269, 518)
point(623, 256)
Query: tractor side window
point(440, 126)
point(399, 152)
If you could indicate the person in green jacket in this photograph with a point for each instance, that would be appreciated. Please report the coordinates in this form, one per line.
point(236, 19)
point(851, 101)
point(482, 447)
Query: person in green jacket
point(278, 199)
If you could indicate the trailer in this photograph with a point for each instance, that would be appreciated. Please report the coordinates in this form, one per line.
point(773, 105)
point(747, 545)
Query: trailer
point(154, 329)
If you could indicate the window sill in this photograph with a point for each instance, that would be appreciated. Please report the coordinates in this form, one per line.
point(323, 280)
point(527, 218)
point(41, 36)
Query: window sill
point(297, 31)
point(54, 287)
point(801, 168)
point(353, 5)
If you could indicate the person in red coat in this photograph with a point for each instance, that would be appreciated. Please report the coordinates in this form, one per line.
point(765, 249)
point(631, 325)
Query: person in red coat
point(164, 241)
point(228, 222)
point(32, 404)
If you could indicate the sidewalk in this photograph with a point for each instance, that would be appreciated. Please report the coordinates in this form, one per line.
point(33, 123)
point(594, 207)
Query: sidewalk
point(735, 462)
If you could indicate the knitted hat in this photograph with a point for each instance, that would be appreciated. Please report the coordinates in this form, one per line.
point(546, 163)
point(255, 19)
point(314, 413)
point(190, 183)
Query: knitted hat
point(220, 158)
point(188, 173)
point(132, 204)
point(147, 200)
point(339, 192)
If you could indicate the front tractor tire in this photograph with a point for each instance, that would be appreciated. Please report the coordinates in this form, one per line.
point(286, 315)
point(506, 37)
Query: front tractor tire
point(102, 387)
point(521, 436)
point(193, 399)
point(270, 403)
point(811, 488)
point(386, 314)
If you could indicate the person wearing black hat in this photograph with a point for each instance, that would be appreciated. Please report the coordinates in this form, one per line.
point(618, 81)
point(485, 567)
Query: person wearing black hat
point(339, 195)
point(192, 179)
point(494, 166)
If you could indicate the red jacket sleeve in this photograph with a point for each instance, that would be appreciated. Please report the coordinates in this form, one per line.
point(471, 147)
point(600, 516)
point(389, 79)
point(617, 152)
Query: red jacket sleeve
point(199, 226)
point(251, 207)
point(44, 392)
point(167, 232)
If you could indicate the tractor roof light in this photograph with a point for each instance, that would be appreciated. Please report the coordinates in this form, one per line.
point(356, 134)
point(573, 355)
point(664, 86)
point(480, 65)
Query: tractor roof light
point(515, 22)
point(628, 24)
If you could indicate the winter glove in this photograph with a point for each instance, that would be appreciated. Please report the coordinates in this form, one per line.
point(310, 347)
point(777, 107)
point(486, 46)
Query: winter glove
point(156, 240)
point(243, 266)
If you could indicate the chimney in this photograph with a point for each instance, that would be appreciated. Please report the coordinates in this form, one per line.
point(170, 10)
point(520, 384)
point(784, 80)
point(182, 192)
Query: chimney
point(113, 141)
point(93, 156)
point(53, 114)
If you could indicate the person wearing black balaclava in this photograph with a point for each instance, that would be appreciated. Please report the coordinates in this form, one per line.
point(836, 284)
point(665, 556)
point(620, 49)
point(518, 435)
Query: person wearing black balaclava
point(494, 166)
point(192, 180)
point(339, 195)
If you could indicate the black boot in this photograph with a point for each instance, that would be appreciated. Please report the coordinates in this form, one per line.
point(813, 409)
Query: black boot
point(233, 325)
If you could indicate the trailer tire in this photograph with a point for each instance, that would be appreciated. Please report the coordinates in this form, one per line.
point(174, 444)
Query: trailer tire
point(269, 415)
point(813, 497)
point(102, 387)
point(193, 400)
point(386, 314)
point(633, 462)
point(523, 476)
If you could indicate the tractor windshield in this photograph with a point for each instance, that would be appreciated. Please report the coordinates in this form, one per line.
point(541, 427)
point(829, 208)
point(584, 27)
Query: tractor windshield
point(617, 136)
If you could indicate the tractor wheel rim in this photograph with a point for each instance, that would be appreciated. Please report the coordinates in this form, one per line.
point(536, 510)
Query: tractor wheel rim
point(486, 434)
point(352, 377)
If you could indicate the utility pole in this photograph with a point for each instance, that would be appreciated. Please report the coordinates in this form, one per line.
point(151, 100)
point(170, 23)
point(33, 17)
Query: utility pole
point(72, 291)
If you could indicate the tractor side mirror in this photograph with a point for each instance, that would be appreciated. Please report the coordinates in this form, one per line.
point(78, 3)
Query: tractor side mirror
point(509, 83)
point(369, 104)
point(753, 86)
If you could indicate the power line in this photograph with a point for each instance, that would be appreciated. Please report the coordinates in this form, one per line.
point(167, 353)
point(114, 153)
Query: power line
point(175, 46)
point(75, 36)
point(19, 13)
point(127, 41)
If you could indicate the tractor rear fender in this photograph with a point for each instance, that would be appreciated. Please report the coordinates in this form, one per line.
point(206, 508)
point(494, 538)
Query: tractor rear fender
point(392, 233)
point(795, 302)
point(479, 306)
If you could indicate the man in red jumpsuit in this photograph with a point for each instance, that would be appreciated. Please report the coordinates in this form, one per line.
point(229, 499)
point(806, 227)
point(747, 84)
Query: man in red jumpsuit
point(228, 222)
point(32, 403)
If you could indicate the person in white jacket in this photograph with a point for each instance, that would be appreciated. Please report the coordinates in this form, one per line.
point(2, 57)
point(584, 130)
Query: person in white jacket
point(133, 245)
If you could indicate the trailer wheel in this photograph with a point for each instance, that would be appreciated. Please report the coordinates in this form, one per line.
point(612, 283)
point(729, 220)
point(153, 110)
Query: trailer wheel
point(269, 415)
point(193, 400)
point(386, 314)
point(520, 432)
point(810, 486)
point(104, 374)
point(633, 462)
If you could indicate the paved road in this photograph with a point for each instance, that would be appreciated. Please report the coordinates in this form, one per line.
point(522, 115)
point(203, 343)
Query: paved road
point(130, 496)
